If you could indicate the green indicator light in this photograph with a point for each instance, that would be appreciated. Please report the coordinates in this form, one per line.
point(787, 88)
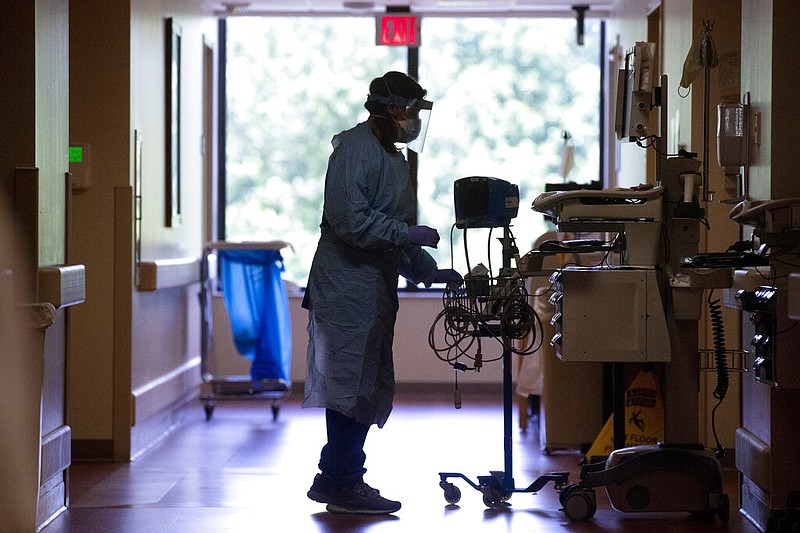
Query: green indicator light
point(76, 154)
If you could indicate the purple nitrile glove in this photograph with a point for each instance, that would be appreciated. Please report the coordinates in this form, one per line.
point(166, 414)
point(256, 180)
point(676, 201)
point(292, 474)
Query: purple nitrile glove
point(449, 276)
point(423, 236)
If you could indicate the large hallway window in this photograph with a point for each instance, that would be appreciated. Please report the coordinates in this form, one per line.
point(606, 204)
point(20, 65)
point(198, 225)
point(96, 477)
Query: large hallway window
point(505, 91)
point(292, 83)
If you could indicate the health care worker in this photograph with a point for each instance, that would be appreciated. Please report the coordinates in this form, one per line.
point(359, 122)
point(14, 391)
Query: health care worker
point(367, 240)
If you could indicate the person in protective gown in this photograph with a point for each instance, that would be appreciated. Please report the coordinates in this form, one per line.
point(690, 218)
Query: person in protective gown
point(368, 238)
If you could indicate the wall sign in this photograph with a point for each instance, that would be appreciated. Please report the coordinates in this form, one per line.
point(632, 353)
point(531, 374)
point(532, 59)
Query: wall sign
point(397, 30)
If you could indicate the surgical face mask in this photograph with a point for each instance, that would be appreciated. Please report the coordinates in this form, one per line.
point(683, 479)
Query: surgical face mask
point(412, 130)
point(409, 129)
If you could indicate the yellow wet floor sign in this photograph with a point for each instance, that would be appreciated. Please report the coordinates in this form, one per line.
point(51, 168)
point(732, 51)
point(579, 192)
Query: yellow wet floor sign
point(644, 417)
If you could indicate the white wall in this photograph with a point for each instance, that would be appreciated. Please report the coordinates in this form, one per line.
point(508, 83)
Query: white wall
point(123, 341)
point(415, 361)
point(416, 364)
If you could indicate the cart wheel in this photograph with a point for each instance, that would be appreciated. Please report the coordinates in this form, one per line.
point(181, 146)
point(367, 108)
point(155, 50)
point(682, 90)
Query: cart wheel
point(452, 494)
point(724, 508)
point(276, 408)
point(565, 491)
point(209, 407)
point(579, 505)
point(491, 496)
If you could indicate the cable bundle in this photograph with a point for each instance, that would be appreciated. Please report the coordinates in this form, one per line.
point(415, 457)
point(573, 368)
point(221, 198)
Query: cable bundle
point(503, 315)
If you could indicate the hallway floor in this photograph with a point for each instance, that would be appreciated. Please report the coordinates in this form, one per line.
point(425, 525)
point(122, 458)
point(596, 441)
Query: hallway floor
point(242, 471)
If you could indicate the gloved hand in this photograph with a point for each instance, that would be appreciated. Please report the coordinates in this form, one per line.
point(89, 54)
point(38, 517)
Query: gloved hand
point(449, 276)
point(423, 236)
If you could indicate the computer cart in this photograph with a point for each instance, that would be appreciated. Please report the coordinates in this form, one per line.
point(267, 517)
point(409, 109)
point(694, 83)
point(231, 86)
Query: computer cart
point(247, 275)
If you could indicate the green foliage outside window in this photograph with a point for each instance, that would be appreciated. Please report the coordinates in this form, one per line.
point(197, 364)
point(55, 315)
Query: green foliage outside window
point(504, 91)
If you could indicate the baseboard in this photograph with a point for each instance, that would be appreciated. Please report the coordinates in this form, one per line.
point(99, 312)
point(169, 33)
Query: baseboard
point(56, 454)
point(165, 391)
point(92, 450)
point(52, 501)
point(151, 431)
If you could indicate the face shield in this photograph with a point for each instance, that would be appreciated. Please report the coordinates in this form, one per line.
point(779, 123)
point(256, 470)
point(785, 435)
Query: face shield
point(416, 116)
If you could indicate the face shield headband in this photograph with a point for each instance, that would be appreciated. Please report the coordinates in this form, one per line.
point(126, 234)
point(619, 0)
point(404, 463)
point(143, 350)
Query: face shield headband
point(417, 112)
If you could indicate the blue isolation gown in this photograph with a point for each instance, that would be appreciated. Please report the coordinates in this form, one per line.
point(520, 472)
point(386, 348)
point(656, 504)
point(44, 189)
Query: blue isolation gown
point(352, 288)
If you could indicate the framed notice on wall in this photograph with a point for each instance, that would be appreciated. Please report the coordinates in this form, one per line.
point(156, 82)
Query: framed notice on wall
point(172, 102)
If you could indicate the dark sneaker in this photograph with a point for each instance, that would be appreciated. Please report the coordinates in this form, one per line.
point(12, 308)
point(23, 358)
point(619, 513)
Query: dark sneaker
point(321, 491)
point(360, 498)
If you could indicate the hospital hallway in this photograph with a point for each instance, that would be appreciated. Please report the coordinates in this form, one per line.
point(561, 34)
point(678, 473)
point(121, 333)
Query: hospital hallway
point(242, 471)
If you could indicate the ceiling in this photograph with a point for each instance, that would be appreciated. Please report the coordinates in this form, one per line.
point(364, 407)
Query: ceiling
point(595, 8)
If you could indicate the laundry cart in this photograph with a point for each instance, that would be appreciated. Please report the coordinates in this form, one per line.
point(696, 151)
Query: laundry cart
point(246, 342)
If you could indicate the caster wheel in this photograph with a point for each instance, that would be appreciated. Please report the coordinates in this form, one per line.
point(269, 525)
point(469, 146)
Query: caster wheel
point(491, 497)
point(209, 407)
point(579, 505)
point(564, 493)
point(452, 494)
point(724, 510)
point(275, 410)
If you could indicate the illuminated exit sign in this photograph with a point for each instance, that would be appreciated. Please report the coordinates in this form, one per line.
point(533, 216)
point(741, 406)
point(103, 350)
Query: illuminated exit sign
point(397, 30)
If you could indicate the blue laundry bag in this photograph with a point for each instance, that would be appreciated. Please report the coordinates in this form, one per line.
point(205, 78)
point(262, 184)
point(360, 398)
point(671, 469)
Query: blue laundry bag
point(258, 308)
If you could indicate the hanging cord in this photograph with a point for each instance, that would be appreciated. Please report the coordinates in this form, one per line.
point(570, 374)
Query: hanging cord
point(721, 363)
point(452, 255)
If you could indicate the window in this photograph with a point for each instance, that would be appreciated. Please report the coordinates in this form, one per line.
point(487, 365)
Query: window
point(292, 83)
point(504, 92)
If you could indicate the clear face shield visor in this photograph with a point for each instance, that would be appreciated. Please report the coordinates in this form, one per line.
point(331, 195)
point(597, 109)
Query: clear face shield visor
point(416, 116)
point(415, 125)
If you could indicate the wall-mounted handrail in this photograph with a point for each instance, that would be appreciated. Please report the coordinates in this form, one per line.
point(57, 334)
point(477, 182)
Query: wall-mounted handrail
point(168, 273)
point(62, 285)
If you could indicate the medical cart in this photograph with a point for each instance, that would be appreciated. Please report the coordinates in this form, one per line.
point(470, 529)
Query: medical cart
point(498, 486)
point(255, 290)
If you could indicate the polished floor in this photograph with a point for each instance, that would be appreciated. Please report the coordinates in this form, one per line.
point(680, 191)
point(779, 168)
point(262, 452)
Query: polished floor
point(242, 471)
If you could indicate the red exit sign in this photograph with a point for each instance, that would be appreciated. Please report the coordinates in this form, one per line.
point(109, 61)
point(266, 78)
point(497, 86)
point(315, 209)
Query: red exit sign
point(397, 30)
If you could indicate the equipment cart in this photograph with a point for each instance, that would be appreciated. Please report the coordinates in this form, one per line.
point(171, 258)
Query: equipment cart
point(498, 486)
point(248, 277)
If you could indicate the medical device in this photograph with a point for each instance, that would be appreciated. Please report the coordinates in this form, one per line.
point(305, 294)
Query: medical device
point(489, 307)
point(636, 213)
point(634, 92)
point(659, 478)
point(639, 304)
point(776, 225)
point(482, 202)
point(764, 267)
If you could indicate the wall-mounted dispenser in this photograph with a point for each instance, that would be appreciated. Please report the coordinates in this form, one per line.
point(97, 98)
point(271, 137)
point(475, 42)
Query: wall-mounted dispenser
point(733, 143)
point(732, 134)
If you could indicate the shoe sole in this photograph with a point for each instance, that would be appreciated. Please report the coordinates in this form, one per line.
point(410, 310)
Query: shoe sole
point(333, 508)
